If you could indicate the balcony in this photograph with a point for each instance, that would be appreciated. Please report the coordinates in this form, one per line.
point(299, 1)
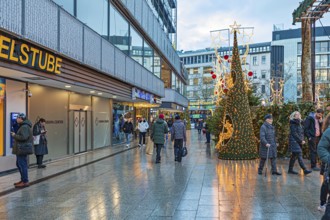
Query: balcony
point(175, 97)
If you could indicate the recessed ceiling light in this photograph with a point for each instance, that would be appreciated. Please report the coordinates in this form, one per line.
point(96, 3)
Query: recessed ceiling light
point(92, 91)
point(67, 86)
point(114, 96)
point(99, 93)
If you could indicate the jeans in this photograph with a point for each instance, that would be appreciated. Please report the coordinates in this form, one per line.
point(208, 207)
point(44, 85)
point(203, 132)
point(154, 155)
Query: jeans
point(324, 192)
point(142, 135)
point(22, 165)
point(312, 143)
point(262, 164)
point(128, 136)
point(208, 137)
point(159, 148)
point(39, 159)
point(178, 144)
point(293, 158)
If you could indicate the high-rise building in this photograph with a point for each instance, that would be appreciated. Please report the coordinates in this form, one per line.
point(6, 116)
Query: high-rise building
point(86, 67)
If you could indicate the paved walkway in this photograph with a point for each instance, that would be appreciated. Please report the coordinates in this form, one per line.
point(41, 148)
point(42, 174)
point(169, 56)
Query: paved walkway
point(130, 185)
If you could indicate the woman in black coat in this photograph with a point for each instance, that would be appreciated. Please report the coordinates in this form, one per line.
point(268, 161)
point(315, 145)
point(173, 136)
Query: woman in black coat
point(40, 149)
point(296, 140)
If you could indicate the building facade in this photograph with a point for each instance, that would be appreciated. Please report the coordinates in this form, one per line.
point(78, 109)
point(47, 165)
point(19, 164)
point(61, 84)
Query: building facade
point(200, 63)
point(75, 63)
point(290, 40)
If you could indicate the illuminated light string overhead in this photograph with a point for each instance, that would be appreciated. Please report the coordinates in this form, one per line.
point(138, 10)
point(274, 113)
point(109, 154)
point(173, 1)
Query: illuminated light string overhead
point(236, 140)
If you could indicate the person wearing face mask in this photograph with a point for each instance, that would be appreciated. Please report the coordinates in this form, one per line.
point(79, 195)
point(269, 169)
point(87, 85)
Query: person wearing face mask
point(268, 145)
point(143, 126)
point(296, 141)
point(313, 132)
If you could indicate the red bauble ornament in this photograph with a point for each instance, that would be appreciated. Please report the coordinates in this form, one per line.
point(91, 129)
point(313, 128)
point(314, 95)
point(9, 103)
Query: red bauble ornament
point(216, 92)
point(214, 76)
point(226, 57)
point(212, 72)
point(250, 73)
point(225, 90)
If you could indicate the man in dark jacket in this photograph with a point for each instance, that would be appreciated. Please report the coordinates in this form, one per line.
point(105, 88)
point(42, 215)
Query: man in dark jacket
point(178, 134)
point(313, 131)
point(23, 136)
point(128, 130)
point(268, 144)
point(159, 129)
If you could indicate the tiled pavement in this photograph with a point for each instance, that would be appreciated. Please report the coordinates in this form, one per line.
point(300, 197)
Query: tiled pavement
point(130, 185)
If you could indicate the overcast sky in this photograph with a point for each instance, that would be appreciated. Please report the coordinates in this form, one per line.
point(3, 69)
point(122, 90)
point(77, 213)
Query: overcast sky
point(196, 18)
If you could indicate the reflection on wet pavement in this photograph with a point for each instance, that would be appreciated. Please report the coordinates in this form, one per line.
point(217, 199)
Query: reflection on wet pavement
point(131, 186)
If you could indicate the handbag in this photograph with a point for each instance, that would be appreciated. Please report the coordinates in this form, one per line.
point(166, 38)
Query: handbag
point(24, 149)
point(184, 151)
point(36, 139)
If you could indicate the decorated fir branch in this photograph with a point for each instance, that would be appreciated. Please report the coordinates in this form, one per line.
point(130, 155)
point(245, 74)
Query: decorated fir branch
point(237, 140)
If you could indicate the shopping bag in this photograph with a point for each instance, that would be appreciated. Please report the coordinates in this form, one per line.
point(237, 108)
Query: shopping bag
point(36, 139)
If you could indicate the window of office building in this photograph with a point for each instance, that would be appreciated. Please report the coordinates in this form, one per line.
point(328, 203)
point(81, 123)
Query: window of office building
point(255, 60)
point(67, 5)
point(321, 75)
point(119, 29)
point(299, 48)
point(207, 70)
point(191, 82)
point(173, 80)
point(136, 48)
point(94, 14)
point(207, 80)
point(263, 60)
point(299, 62)
point(195, 70)
point(263, 89)
point(148, 57)
point(157, 64)
point(263, 74)
point(178, 84)
point(321, 46)
point(298, 76)
point(196, 82)
point(321, 61)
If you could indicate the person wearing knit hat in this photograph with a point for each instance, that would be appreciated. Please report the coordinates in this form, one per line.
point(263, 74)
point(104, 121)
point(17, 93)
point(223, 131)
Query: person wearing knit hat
point(158, 131)
point(268, 145)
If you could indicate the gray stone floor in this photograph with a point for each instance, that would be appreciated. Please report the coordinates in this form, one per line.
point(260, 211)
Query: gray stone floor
point(131, 186)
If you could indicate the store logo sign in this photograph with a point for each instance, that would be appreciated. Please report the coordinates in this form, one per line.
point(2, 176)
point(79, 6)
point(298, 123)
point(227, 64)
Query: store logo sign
point(28, 55)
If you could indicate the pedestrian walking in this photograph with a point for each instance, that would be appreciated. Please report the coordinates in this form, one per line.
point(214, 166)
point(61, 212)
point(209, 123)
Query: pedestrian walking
point(178, 135)
point(296, 141)
point(22, 139)
point(313, 131)
point(207, 133)
point(128, 130)
point(158, 131)
point(268, 145)
point(199, 126)
point(143, 126)
point(40, 141)
point(323, 151)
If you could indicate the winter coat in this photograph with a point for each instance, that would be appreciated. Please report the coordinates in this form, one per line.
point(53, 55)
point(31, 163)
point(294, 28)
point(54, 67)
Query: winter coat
point(296, 136)
point(158, 130)
point(199, 125)
point(309, 126)
point(143, 126)
point(24, 135)
point(323, 148)
point(178, 131)
point(267, 136)
point(128, 127)
point(41, 148)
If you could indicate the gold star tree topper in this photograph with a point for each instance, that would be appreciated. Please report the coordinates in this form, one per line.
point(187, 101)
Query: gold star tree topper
point(235, 27)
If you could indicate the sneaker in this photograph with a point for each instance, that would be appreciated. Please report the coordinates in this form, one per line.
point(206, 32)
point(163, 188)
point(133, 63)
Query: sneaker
point(22, 185)
point(321, 208)
point(292, 172)
point(307, 172)
point(17, 183)
point(127, 145)
point(41, 166)
point(144, 145)
point(276, 173)
point(259, 172)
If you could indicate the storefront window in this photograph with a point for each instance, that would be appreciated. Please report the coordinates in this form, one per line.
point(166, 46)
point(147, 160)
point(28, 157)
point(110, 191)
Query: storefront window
point(121, 113)
point(173, 80)
point(119, 30)
point(148, 57)
point(136, 49)
point(66, 5)
point(94, 14)
point(2, 97)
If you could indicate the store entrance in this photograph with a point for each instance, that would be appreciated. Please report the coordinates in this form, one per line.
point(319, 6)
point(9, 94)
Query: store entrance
point(80, 131)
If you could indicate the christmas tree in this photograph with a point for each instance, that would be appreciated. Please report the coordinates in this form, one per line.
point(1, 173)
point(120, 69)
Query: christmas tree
point(237, 140)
